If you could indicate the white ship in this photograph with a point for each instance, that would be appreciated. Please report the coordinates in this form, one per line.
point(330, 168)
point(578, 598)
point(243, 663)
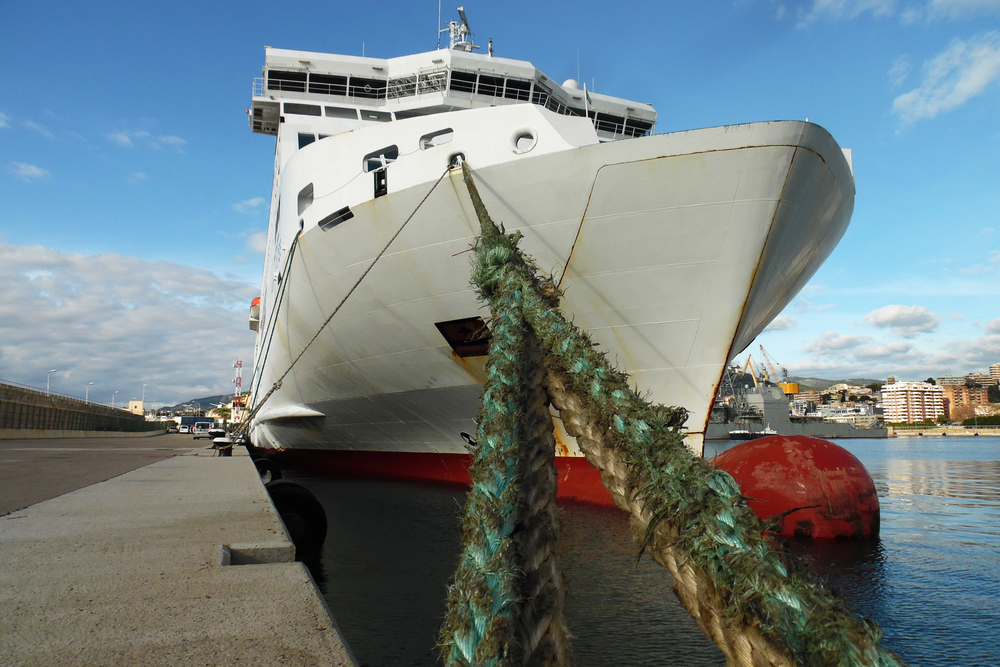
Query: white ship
point(673, 250)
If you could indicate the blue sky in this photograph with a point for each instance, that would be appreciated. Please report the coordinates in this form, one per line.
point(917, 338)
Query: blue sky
point(134, 196)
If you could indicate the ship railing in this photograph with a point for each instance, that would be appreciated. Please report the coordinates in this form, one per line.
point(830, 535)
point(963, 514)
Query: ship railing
point(491, 89)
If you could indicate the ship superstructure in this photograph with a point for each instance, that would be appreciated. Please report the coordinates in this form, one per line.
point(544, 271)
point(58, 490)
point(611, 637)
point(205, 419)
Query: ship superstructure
point(673, 251)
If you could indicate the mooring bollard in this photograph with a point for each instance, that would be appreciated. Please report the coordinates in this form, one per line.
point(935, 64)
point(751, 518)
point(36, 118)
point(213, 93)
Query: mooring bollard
point(224, 446)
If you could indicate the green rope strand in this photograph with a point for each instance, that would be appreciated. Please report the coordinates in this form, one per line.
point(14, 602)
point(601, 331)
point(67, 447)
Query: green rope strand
point(689, 507)
point(504, 606)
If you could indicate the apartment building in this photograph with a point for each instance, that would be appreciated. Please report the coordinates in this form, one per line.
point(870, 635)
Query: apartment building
point(958, 395)
point(912, 401)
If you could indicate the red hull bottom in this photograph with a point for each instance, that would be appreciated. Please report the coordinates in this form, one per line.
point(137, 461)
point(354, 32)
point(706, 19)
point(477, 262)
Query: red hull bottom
point(578, 480)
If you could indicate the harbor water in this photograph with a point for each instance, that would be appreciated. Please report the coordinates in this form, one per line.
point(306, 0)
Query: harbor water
point(931, 580)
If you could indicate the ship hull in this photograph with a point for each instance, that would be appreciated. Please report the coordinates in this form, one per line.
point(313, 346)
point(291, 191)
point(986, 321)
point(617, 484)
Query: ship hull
point(673, 252)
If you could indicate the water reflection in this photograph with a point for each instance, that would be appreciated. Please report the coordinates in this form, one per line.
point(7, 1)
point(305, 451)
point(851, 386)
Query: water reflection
point(931, 581)
point(853, 569)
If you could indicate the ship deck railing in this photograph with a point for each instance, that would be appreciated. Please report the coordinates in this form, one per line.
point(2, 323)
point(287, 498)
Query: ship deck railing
point(489, 90)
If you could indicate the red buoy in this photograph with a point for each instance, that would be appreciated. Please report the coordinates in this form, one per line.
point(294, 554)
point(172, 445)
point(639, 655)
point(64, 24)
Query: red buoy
point(821, 489)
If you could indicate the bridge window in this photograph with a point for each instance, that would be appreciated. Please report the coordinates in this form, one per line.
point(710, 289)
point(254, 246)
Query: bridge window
point(491, 86)
point(463, 82)
point(431, 82)
point(404, 86)
point(377, 116)
point(540, 95)
point(373, 89)
point(327, 84)
point(303, 109)
point(517, 89)
point(282, 80)
point(341, 112)
point(380, 158)
point(637, 128)
point(609, 123)
point(306, 139)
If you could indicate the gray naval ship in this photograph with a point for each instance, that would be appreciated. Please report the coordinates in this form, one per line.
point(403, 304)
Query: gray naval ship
point(746, 407)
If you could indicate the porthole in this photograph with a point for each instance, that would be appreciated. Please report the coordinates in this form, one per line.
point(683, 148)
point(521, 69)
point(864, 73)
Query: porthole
point(523, 140)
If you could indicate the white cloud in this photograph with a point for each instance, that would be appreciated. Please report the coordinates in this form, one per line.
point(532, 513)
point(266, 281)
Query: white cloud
point(904, 321)
point(899, 70)
point(120, 322)
point(952, 78)
point(881, 351)
point(908, 14)
point(257, 242)
point(831, 342)
point(121, 139)
point(782, 322)
point(976, 269)
point(963, 9)
point(136, 177)
point(248, 204)
point(27, 172)
point(40, 129)
point(130, 138)
point(4, 120)
point(846, 9)
point(172, 141)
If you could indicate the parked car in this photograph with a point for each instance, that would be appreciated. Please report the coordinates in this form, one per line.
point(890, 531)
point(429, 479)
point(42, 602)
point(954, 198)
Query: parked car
point(173, 429)
point(184, 428)
point(201, 430)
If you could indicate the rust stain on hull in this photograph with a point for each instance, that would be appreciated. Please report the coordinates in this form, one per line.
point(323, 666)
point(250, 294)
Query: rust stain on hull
point(474, 366)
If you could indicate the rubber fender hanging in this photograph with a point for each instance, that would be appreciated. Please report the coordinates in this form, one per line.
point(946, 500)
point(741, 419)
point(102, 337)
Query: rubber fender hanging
point(267, 469)
point(302, 515)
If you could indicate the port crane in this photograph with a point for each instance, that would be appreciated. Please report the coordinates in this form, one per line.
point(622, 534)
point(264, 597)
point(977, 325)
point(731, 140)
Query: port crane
point(770, 367)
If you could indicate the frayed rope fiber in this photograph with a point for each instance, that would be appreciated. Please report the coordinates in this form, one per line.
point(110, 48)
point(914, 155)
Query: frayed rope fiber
point(759, 605)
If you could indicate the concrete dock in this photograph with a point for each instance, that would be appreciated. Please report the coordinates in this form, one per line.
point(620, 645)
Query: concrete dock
point(180, 562)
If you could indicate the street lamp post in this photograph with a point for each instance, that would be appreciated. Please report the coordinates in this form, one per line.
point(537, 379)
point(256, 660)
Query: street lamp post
point(86, 395)
point(113, 399)
point(47, 375)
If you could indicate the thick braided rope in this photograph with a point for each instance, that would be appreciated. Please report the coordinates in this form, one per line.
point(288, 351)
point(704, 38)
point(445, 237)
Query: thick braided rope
point(760, 606)
point(505, 605)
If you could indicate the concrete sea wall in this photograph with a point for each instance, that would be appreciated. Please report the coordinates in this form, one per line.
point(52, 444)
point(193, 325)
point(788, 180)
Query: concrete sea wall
point(27, 413)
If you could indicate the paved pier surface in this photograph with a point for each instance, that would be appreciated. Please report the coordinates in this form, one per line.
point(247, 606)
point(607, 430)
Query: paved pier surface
point(131, 571)
point(35, 470)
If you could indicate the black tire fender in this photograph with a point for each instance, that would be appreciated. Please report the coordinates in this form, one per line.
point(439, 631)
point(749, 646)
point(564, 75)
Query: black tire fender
point(268, 470)
point(302, 514)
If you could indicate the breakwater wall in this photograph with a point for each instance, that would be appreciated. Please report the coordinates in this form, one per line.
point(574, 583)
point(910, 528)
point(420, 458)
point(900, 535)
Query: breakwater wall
point(958, 431)
point(24, 412)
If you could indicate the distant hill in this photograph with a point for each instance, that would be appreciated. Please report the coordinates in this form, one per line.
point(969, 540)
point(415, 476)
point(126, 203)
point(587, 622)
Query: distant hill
point(206, 402)
point(819, 384)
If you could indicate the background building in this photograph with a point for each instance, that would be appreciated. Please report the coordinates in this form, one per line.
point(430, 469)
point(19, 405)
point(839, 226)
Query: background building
point(136, 407)
point(958, 395)
point(912, 402)
point(995, 373)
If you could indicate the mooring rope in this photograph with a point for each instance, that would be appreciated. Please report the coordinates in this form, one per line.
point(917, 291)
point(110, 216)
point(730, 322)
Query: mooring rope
point(759, 605)
point(245, 426)
point(505, 606)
